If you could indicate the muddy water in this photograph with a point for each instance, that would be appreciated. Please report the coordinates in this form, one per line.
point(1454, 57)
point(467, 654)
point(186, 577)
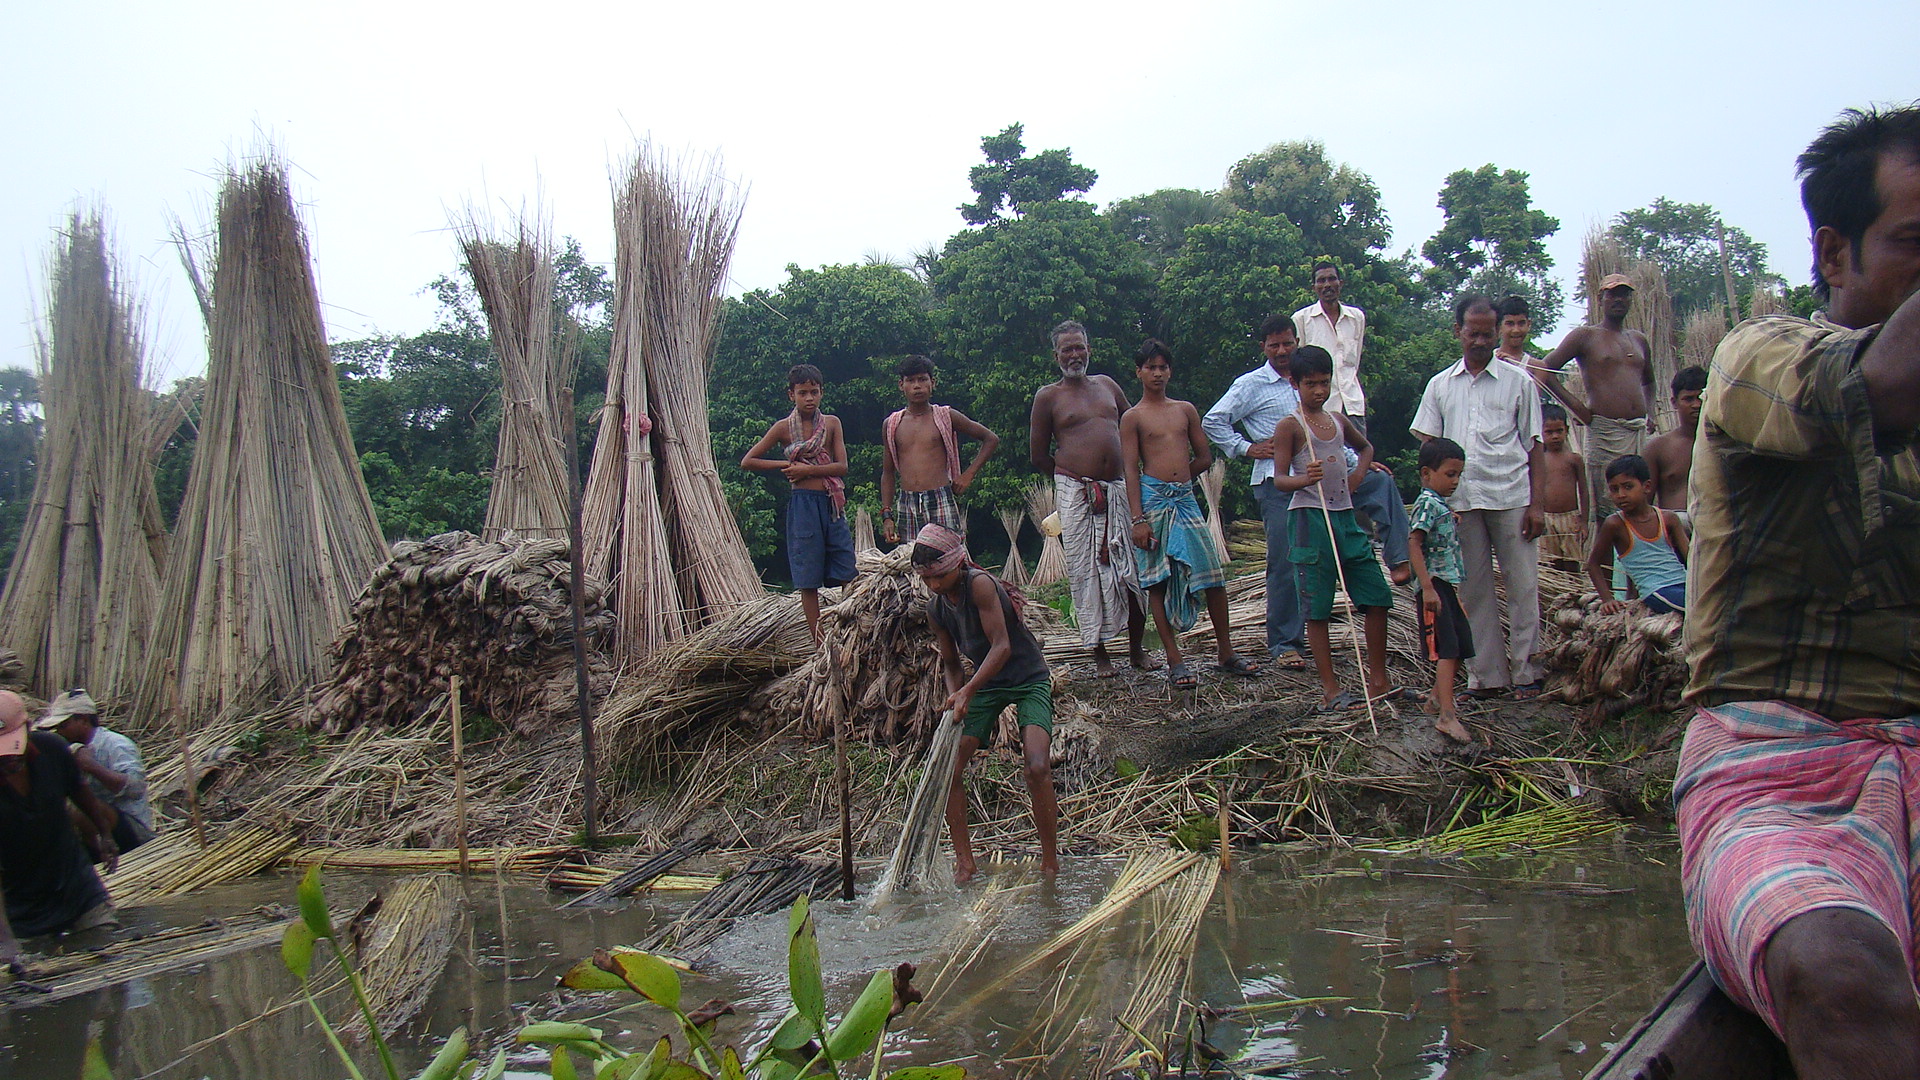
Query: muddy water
point(1498, 968)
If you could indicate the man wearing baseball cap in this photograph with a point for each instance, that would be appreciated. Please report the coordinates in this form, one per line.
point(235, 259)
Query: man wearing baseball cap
point(45, 872)
point(111, 762)
point(1616, 364)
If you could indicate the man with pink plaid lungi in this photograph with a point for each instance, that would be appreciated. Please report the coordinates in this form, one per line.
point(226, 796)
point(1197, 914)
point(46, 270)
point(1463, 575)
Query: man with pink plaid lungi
point(1798, 792)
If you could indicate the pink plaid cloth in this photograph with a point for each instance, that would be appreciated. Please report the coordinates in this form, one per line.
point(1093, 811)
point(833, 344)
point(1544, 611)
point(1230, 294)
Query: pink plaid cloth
point(1782, 811)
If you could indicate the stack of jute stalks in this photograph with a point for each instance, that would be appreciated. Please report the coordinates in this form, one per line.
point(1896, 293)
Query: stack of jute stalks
point(80, 599)
point(276, 534)
point(1627, 658)
point(1051, 566)
point(495, 613)
point(877, 663)
point(657, 524)
point(514, 278)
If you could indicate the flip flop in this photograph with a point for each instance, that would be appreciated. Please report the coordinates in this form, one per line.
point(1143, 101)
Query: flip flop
point(1344, 701)
point(1239, 665)
point(1482, 693)
point(1291, 660)
point(1181, 677)
point(1400, 693)
point(1528, 692)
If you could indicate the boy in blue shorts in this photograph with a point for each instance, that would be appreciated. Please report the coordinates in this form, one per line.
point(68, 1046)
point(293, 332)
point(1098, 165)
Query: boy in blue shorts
point(1651, 543)
point(819, 544)
point(1437, 568)
point(1328, 544)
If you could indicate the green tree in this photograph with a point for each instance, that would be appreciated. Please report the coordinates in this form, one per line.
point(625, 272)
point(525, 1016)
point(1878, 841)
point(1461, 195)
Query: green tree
point(1684, 239)
point(1493, 242)
point(20, 428)
point(1012, 181)
point(1336, 207)
point(1159, 221)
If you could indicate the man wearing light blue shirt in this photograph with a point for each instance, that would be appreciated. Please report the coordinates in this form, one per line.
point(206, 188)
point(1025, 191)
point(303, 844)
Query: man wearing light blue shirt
point(1255, 404)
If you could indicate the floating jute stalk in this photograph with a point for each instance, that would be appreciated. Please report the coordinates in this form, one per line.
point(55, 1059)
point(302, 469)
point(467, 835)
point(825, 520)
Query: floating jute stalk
point(80, 600)
point(276, 534)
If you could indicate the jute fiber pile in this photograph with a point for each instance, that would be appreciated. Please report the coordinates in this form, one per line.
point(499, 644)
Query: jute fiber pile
point(79, 602)
point(276, 534)
point(656, 523)
point(496, 613)
point(1628, 658)
point(514, 278)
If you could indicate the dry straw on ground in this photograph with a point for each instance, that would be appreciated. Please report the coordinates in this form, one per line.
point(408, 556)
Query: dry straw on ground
point(79, 602)
point(276, 534)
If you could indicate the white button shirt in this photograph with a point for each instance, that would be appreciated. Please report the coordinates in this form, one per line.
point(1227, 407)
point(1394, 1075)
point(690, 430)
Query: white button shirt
point(1344, 341)
point(1495, 417)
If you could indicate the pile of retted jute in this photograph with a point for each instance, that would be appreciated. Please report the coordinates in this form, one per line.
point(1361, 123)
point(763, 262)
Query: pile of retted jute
point(80, 599)
point(496, 613)
point(276, 534)
point(655, 521)
point(1631, 657)
point(514, 278)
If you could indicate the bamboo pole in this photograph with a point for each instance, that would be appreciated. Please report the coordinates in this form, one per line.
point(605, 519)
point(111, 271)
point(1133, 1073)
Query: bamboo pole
point(190, 776)
point(846, 810)
point(459, 774)
point(1333, 538)
point(576, 588)
point(1226, 829)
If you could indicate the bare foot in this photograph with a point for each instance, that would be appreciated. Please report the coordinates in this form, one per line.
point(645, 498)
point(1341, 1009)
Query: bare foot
point(963, 872)
point(1452, 728)
point(1142, 662)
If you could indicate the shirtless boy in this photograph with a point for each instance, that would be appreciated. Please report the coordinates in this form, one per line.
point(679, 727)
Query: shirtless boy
point(819, 545)
point(1617, 366)
point(1564, 495)
point(920, 475)
point(1670, 456)
point(1075, 436)
point(1162, 448)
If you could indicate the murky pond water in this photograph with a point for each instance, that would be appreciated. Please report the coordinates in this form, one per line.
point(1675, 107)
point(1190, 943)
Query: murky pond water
point(1512, 967)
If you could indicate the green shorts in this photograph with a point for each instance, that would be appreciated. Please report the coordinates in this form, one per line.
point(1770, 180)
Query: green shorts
point(1319, 577)
point(1033, 700)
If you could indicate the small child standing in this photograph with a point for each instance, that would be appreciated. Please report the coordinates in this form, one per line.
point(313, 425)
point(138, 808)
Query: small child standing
point(1651, 543)
point(1328, 544)
point(819, 544)
point(1564, 496)
point(1437, 566)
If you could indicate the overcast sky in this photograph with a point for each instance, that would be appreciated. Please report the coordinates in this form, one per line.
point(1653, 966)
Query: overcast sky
point(852, 125)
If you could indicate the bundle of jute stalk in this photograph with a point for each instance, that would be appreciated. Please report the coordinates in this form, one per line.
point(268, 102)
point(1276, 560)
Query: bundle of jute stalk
point(276, 534)
point(514, 278)
point(404, 951)
point(1015, 571)
point(1628, 658)
point(863, 538)
point(1704, 330)
point(495, 613)
point(656, 520)
point(80, 600)
point(1213, 483)
point(1051, 566)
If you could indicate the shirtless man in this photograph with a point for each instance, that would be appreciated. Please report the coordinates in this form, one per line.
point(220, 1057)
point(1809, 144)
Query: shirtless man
point(1564, 491)
point(1075, 436)
point(1670, 456)
point(920, 475)
point(1617, 366)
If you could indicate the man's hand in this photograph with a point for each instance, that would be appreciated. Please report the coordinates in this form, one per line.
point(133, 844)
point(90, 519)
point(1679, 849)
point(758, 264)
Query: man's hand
point(1533, 523)
point(796, 472)
point(1262, 450)
point(958, 702)
point(1381, 466)
point(1609, 606)
point(890, 530)
point(1143, 536)
point(962, 482)
point(1651, 428)
point(1430, 601)
point(109, 853)
point(1315, 471)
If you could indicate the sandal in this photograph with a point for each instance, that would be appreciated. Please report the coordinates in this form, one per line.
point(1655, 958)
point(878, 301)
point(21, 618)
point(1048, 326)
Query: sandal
point(1481, 693)
point(1291, 660)
point(1239, 665)
point(1344, 701)
point(1528, 692)
point(1181, 677)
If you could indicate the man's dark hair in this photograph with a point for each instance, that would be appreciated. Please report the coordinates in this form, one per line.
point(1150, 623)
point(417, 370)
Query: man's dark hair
point(1630, 465)
point(1324, 264)
point(1837, 173)
point(915, 365)
point(1514, 305)
point(1437, 452)
point(1275, 324)
point(1151, 348)
point(1310, 360)
point(1550, 411)
point(1071, 326)
point(1692, 377)
point(804, 373)
point(924, 555)
point(1469, 304)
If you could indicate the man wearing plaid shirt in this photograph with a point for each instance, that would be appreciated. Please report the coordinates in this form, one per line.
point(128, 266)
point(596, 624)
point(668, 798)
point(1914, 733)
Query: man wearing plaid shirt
point(1798, 793)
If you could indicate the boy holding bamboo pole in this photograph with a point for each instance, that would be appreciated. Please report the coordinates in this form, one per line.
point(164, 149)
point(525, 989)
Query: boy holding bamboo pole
point(819, 545)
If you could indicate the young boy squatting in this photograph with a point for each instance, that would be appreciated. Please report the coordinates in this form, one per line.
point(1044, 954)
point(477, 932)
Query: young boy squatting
point(1651, 543)
point(920, 475)
point(819, 544)
point(1162, 447)
point(972, 614)
point(1435, 550)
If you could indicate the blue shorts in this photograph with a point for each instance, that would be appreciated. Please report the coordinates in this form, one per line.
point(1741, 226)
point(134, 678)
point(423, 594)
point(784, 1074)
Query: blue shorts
point(819, 545)
point(1673, 598)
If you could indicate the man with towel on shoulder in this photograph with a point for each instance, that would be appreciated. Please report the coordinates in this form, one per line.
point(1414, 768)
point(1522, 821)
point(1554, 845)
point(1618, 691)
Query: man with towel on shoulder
point(1075, 435)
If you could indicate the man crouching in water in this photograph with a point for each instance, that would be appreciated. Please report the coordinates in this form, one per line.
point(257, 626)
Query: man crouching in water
point(973, 615)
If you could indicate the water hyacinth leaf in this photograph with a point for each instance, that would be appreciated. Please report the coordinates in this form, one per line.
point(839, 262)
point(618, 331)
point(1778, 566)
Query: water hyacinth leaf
point(94, 1067)
point(313, 904)
point(855, 1033)
point(803, 966)
point(496, 1068)
point(680, 1070)
point(730, 1068)
point(296, 950)
point(626, 1068)
point(562, 1066)
point(449, 1061)
point(793, 1033)
point(554, 1031)
point(929, 1072)
point(654, 978)
point(587, 975)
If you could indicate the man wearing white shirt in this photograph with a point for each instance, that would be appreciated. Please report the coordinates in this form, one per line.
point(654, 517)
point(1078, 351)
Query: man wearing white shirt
point(1493, 410)
point(1341, 329)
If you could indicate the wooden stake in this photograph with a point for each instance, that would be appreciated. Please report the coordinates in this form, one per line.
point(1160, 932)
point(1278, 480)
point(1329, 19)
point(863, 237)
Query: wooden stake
point(459, 775)
point(588, 791)
point(190, 775)
point(846, 810)
point(1226, 829)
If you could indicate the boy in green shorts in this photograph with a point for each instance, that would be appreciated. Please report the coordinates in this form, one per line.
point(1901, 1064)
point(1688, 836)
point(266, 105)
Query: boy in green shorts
point(972, 615)
point(1312, 441)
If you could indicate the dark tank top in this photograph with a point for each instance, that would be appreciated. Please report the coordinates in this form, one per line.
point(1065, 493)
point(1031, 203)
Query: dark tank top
point(961, 621)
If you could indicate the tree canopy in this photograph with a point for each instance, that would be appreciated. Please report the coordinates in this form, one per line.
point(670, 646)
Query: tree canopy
point(1493, 242)
point(1684, 238)
point(1335, 206)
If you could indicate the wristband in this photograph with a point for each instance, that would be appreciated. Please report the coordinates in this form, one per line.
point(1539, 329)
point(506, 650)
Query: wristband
point(1141, 520)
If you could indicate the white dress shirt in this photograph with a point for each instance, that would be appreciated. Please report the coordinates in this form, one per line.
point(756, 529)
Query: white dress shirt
point(1344, 341)
point(1495, 417)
